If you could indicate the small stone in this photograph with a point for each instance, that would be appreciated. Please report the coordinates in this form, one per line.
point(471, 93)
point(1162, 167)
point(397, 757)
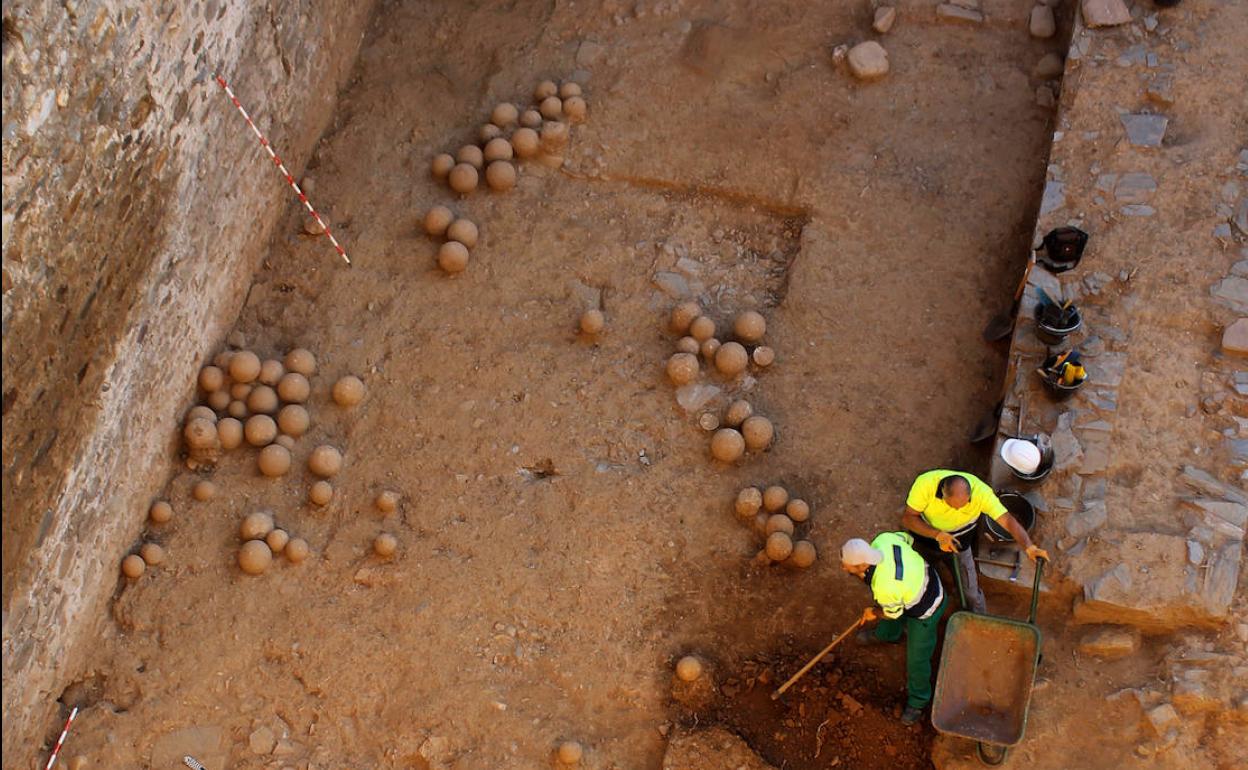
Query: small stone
point(1138, 210)
point(1049, 66)
point(1232, 291)
point(1195, 553)
point(262, 741)
point(1143, 129)
point(1105, 13)
point(885, 17)
point(1110, 643)
point(673, 285)
point(589, 52)
point(694, 396)
point(1221, 578)
point(1204, 482)
point(1235, 338)
point(1135, 187)
point(1132, 57)
point(1046, 98)
point(1042, 24)
point(956, 14)
point(1054, 197)
point(1160, 89)
point(1162, 718)
point(868, 61)
point(436, 750)
point(1091, 518)
point(1066, 449)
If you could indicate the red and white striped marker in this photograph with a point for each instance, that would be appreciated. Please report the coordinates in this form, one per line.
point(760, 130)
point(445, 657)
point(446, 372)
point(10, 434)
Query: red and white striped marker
point(61, 741)
point(281, 167)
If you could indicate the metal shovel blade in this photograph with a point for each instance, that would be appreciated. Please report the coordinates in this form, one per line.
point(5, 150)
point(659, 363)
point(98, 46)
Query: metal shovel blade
point(986, 428)
point(999, 327)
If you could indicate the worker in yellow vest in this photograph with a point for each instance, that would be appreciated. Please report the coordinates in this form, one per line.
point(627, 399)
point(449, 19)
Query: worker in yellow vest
point(942, 510)
point(911, 598)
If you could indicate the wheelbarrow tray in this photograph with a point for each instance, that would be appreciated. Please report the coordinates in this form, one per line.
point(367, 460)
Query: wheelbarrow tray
point(987, 669)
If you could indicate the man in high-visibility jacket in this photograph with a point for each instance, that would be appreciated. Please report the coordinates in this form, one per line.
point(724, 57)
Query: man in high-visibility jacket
point(944, 507)
point(910, 596)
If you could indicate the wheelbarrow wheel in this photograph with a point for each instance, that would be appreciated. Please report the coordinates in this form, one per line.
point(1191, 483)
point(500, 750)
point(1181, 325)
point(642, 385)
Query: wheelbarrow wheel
point(991, 754)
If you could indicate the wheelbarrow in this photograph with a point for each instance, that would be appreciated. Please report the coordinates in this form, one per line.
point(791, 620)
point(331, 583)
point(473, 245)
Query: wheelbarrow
point(987, 669)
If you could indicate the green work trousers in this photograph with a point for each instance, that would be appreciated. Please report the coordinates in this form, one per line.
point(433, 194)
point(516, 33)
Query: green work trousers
point(920, 644)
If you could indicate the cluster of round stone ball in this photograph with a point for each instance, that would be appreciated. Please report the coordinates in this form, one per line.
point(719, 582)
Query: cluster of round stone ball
point(698, 336)
point(775, 516)
point(460, 234)
point(540, 131)
point(261, 403)
point(262, 539)
point(739, 429)
point(514, 134)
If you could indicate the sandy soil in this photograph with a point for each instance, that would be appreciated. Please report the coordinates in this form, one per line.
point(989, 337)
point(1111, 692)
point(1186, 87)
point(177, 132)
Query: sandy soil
point(563, 534)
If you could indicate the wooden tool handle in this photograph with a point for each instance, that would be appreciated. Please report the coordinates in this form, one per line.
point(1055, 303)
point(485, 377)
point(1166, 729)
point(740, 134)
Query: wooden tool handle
point(1022, 285)
point(816, 659)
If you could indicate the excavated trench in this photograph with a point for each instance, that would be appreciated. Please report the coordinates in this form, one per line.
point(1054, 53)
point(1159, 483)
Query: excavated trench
point(562, 532)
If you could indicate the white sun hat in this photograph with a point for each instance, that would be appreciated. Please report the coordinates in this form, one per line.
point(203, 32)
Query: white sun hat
point(1022, 456)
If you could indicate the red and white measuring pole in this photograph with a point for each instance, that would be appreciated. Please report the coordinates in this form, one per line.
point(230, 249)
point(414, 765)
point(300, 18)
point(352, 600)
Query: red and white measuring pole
point(282, 168)
point(61, 741)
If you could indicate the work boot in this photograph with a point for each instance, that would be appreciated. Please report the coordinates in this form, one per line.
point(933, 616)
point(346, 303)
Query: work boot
point(911, 715)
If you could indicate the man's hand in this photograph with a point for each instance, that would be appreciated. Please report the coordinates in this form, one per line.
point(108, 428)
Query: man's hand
point(1036, 552)
point(868, 615)
point(948, 543)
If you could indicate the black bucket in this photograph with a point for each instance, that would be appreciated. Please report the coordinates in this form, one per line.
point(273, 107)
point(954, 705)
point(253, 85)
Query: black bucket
point(1062, 248)
point(1022, 511)
point(1053, 381)
point(1052, 327)
point(1042, 470)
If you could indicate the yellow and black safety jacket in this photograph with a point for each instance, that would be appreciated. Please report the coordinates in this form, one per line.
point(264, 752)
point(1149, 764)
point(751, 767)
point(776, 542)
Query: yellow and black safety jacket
point(904, 583)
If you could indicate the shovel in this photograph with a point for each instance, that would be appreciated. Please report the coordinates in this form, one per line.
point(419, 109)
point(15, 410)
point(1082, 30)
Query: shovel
point(1003, 323)
point(776, 695)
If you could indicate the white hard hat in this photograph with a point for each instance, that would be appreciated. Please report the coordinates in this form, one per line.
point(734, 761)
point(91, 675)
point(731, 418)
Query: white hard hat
point(1022, 456)
point(859, 551)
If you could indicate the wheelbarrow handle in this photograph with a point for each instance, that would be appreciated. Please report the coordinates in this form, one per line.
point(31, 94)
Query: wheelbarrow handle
point(957, 576)
point(1035, 589)
point(1035, 585)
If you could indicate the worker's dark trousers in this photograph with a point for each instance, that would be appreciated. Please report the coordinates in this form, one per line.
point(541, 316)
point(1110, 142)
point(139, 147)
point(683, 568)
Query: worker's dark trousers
point(920, 644)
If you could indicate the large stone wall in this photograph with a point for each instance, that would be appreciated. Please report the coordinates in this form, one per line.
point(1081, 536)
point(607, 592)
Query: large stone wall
point(136, 205)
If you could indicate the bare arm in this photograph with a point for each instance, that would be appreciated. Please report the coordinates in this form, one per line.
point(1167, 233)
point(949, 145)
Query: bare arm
point(1021, 537)
point(913, 521)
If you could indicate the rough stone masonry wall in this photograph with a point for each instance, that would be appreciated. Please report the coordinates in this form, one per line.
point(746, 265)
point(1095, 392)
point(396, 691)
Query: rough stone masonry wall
point(135, 208)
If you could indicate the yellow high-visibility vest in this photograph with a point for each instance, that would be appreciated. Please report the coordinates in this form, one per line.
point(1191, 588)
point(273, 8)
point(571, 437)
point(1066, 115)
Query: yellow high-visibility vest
point(900, 579)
